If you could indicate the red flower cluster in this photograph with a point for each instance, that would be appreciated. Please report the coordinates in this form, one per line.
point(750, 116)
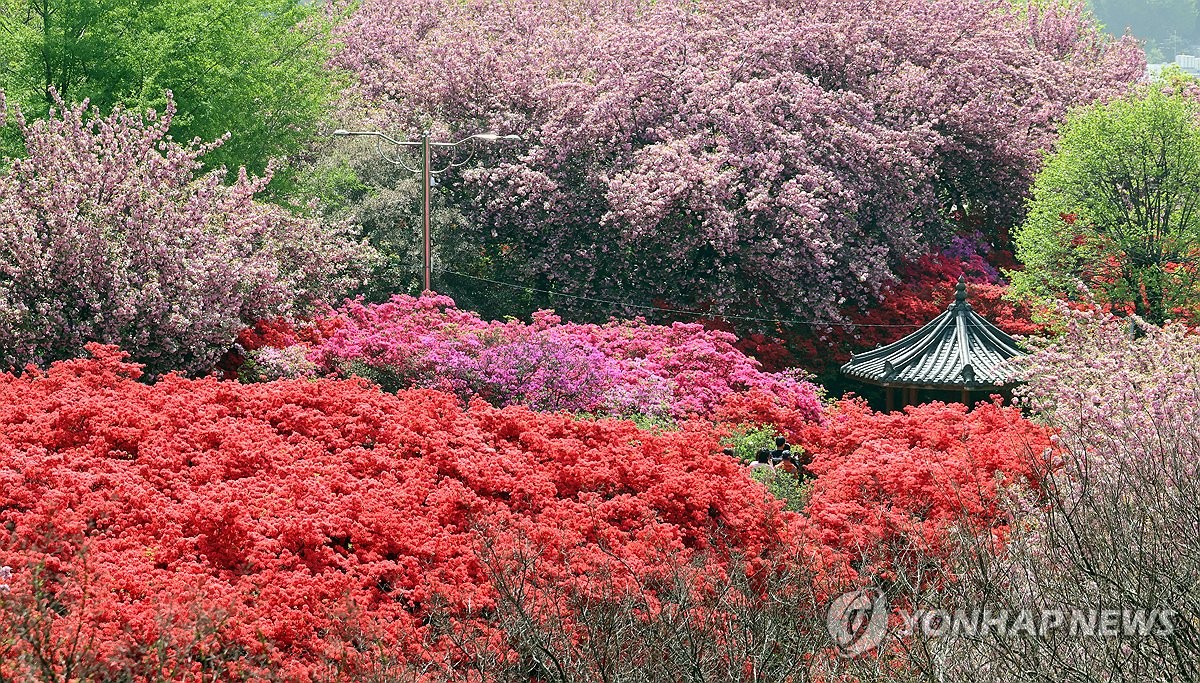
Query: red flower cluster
point(304, 514)
point(299, 510)
point(282, 333)
point(887, 481)
point(926, 287)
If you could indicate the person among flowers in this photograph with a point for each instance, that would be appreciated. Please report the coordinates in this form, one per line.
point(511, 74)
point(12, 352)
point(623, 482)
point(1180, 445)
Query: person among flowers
point(802, 460)
point(763, 463)
point(781, 447)
point(787, 464)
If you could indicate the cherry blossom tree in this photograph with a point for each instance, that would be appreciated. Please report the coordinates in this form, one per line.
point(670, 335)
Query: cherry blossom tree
point(110, 234)
point(775, 157)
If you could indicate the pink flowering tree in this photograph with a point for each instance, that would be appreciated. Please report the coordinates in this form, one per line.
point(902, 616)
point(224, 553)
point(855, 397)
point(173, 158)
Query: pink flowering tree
point(110, 233)
point(780, 158)
point(1111, 522)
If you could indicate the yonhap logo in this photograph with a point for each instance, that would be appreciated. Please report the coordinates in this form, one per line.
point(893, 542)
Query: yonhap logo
point(857, 621)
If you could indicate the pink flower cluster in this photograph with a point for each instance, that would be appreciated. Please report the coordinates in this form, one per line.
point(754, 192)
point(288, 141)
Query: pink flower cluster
point(1122, 394)
point(114, 232)
point(618, 368)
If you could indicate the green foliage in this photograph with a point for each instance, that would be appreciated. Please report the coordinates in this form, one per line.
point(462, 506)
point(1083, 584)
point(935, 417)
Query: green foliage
point(747, 440)
point(652, 423)
point(1117, 205)
point(252, 68)
point(389, 379)
point(791, 489)
point(351, 180)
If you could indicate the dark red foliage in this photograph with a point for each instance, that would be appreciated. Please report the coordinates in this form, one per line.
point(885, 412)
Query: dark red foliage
point(925, 289)
point(282, 333)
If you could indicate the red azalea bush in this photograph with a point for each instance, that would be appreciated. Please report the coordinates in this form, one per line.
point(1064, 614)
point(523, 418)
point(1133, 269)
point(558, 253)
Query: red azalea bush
point(619, 368)
point(893, 483)
point(304, 516)
point(926, 290)
point(296, 525)
point(889, 482)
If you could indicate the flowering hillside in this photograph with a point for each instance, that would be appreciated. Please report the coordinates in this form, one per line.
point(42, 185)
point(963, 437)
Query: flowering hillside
point(243, 437)
point(273, 521)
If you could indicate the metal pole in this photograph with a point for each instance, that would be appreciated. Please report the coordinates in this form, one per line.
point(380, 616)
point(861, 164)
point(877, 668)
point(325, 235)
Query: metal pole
point(425, 186)
point(426, 177)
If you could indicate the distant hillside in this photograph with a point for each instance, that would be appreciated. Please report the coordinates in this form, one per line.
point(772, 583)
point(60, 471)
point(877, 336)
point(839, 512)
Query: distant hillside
point(1169, 27)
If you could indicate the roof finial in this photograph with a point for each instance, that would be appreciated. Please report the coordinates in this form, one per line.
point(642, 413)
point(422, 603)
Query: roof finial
point(960, 290)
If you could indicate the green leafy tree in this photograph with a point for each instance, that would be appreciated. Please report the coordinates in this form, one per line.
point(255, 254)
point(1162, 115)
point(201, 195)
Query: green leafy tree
point(353, 183)
point(251, 68)
point(1117, 205)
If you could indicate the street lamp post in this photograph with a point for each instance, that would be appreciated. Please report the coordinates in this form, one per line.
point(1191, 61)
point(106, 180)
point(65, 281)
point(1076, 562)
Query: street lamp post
point(426, 144)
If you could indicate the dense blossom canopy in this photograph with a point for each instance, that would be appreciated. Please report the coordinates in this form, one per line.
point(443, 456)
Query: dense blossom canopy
point(1114, 386)
point(110, 235)
point(779, 157)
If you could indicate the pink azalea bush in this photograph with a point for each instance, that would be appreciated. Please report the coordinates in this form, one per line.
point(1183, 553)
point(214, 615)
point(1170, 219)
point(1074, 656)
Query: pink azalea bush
point(113, 232)
point(618, 368)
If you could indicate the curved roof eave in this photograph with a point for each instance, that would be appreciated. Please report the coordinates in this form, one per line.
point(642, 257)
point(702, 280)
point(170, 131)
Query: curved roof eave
point(959, 349)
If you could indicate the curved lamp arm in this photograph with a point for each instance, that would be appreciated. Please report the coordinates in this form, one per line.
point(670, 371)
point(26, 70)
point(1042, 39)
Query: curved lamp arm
point(393, 160)
point(342, 132)
point(486, 137)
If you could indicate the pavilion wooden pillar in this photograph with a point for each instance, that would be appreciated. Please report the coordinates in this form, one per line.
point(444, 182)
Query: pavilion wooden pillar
point(889, 394)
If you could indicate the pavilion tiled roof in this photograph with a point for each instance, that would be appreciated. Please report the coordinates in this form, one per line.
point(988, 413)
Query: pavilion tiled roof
point(959, 349)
